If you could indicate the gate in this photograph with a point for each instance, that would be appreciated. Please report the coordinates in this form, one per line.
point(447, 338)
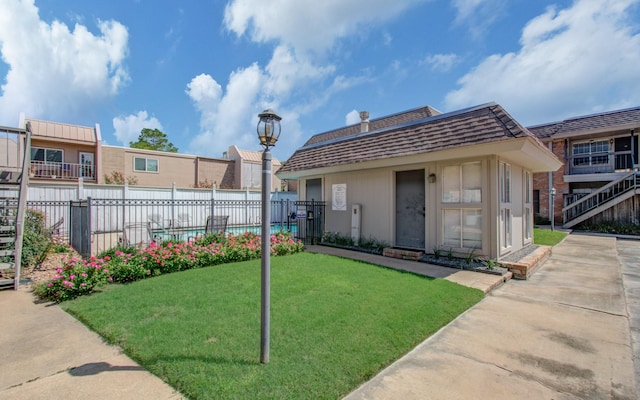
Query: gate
point(80, 226)
point(310, 220)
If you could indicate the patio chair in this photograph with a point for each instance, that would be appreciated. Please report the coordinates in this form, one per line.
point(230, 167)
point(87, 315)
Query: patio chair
point(183, 221)
point(55, 228)
point(156, 222)
point(216, 224)
point(138, 234)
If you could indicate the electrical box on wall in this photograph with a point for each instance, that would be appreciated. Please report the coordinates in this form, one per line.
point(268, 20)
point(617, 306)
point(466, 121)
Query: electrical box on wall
point(356, 219)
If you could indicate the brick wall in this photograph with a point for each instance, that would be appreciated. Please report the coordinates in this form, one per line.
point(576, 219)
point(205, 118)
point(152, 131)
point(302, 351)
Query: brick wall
point(541, 183)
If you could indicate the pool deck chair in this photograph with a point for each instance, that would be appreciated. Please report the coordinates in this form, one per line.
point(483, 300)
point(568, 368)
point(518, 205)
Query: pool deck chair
point(137, 235)
point(217, 224)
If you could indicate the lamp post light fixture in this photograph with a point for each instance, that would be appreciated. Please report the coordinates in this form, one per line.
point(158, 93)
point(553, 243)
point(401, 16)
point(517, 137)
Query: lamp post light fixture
point(268, 132)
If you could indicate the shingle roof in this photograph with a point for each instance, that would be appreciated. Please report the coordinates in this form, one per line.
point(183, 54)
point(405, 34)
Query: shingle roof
point(609, 119)
point(375, 124)
point(481, 124)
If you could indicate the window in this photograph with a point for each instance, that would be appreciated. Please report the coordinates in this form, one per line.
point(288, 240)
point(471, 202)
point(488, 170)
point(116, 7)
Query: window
point(591, 153)
point(462, 183)
point(462, 194)
point(463, 228)
point(145, 164)
point(528, 223)
point(46, 155)
point(504, 176)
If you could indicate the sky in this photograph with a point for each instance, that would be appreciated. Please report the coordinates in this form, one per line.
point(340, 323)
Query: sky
point(202, 71)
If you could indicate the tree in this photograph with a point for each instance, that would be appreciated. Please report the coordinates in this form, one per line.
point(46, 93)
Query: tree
point(153, 139)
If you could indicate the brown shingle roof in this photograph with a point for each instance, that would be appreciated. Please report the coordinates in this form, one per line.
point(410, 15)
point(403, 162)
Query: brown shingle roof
point(481, 124)
point(375, 124)
point(609, 119)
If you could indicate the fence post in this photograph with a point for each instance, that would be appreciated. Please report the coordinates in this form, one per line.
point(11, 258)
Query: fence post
point(80, 188)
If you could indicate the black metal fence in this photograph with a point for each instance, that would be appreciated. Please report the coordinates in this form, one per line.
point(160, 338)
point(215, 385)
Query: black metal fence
point(96, 225)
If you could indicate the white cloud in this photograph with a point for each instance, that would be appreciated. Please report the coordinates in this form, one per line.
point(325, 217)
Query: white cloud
point(224, 116)
point(442, 62)
point(127, 128)
point(308, 24)
point(286, 71)
point(571, 61)
point(479, 15)
point(352, 118)
point(55, 72)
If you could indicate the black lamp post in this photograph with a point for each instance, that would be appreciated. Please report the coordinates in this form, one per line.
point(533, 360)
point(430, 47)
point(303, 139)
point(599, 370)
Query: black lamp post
point(268, 133)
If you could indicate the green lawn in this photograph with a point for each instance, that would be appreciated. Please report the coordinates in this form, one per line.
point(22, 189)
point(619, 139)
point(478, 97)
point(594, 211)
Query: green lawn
point(335, 323)
point(547, 237)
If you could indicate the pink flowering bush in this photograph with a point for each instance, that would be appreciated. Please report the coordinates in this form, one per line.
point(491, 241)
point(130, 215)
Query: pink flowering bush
point(128, 264)
point(77, 277)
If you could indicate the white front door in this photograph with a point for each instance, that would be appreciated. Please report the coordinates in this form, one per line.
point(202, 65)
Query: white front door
point(87, 166)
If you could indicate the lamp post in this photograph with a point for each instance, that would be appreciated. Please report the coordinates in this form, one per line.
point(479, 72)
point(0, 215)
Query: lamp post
point(268, 132)
point(553, 209)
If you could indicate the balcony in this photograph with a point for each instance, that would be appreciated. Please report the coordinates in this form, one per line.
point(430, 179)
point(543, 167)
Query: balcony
point(599, 163)
point(65, 171)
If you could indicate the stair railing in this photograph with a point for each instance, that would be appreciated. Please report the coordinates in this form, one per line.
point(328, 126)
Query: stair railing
point(601, 196)
point(22, 205)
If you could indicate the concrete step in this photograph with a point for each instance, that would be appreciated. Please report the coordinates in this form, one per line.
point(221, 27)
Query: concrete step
point(6, 253)
point(7, 228)
point(7, 265)
point(7, 239)
point(6, 283)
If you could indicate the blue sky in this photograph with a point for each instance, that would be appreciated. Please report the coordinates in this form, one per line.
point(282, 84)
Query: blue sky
point(201, 71)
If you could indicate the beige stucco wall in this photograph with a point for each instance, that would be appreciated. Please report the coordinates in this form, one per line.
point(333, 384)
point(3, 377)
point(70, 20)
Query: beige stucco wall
point(374, 189)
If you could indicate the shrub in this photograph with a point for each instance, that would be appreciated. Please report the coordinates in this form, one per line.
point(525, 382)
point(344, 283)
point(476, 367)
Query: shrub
point(76, 278)
point(118, 178)
point(36, 242)
point(128, 264)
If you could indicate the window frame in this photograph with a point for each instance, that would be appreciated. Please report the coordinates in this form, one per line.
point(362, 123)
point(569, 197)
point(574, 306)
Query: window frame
point(463, 196)
point(527, 197)
point(593, 156)
point(506, 206)
point(45, 150)
point(146, 164)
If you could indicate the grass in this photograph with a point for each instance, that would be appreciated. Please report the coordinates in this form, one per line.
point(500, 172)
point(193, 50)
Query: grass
point(335, 323)
point(547, 237)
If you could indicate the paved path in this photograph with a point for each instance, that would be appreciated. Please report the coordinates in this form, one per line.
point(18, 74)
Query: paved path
point(563, 334)
point(47, 354)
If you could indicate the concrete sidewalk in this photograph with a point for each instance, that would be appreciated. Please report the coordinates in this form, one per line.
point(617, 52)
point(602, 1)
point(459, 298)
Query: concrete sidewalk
point(563, 334)
point(47, 354)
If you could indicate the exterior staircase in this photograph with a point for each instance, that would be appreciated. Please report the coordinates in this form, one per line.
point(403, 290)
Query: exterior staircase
point(15, 148)
point(604, 198)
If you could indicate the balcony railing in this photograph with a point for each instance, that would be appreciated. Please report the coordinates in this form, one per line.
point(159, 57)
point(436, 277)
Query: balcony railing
point(599, 163)
point(57, 170)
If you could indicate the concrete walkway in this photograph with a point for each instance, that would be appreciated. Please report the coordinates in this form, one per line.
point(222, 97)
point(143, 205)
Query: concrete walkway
point(563, 334)
point(47, 354)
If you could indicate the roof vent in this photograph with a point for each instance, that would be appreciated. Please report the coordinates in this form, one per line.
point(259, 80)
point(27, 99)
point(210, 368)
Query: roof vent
point(364, 121)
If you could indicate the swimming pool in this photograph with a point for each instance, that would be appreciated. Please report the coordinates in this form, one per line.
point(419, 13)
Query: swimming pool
point(187, 234)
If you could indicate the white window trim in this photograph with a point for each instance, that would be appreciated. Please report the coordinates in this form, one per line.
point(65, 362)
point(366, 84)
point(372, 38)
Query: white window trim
point(506, 211)
point(590, 155)
point(45, 154)
point(527, 196)
point(146, 161)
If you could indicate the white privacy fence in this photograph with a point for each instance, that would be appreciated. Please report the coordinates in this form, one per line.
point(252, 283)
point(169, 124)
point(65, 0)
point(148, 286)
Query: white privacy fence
point(53, 201)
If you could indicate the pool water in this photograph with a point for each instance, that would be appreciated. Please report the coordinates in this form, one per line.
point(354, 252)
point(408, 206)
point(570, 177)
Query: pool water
point(187, 234)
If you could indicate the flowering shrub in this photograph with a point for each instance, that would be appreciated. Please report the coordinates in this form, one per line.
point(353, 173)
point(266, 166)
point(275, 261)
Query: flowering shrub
point(76, 278)
point(128, 264)
point(59, 244)
point(118, 178)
